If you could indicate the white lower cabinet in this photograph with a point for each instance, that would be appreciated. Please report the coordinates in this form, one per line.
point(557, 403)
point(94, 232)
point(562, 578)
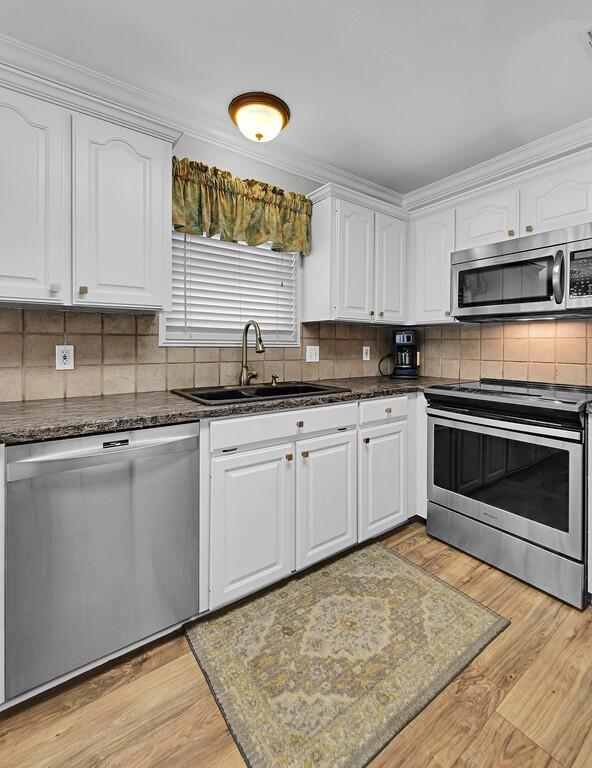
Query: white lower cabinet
point(383, 483)
point(252, 521)
point(326, 503)
point(275, 510)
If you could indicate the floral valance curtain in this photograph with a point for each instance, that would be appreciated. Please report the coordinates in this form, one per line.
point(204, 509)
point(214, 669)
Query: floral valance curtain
point(208, 201)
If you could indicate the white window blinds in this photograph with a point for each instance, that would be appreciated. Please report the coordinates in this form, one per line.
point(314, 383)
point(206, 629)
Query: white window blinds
point(218, 286)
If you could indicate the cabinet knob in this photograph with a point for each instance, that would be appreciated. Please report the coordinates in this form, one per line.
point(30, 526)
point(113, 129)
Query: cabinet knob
point(371, 313)
point(289, 457)
point(55, 287)
point(388, 410)
point(305, 454)
point(366, 440)
point(529, 228)
point(381, 314)
point(511, 233)
point(299, 423)
point(83, 290)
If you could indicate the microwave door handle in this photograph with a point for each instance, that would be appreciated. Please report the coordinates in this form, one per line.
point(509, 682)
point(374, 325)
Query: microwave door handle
point(558, 283)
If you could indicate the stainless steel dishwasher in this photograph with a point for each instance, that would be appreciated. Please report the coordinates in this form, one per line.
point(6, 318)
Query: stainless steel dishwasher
point(101, 547)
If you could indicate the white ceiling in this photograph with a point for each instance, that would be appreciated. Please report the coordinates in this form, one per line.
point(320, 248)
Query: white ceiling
point(399, 92)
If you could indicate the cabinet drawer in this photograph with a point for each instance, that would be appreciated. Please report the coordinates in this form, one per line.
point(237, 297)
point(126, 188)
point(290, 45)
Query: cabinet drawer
point(384, 408)
point(246, 430)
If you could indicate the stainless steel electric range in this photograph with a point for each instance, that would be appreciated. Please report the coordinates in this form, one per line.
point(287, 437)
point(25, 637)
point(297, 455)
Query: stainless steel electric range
point(507, 478)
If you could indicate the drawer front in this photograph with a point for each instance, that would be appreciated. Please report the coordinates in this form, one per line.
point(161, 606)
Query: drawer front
point(246, 430)
point(383, 409)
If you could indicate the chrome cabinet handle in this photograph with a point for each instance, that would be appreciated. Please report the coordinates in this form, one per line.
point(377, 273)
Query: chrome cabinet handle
point(371, 313)
point(558, 277)
point(529, 228)
point(381, 314)
point(300, 424)
point(511, 233)
point(366, 440)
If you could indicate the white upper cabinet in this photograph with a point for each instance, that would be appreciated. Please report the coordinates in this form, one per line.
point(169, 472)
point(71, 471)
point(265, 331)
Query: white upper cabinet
point(389, 261)
point(355, 261)
point(356, 270)
point(432, 241)
point(560, 199)
point(119, 230)
point(487, 219)
point(85, 209)
point(34, 200)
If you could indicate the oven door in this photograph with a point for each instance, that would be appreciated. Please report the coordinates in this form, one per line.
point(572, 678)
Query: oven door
point(529, 484)
point(518, 283)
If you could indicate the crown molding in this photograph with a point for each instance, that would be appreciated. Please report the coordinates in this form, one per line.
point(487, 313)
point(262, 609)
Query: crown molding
point(347, 193)
point(50, 77)
point(567, 141)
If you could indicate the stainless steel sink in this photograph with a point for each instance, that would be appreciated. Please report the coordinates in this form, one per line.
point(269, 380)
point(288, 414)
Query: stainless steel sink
point(251, 393)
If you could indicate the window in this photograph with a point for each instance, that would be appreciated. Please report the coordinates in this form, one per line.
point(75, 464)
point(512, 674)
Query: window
point(218, 286)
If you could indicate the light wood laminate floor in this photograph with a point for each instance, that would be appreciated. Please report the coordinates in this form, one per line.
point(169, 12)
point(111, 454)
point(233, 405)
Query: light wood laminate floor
point(526, 701)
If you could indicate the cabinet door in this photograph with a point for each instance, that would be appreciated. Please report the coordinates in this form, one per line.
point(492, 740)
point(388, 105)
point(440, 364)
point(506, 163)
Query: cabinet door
point(487, 219)
point(389, 263)
point(560, 199)
point(326, 504)
point(121, 199)
point(383, 482)
point(252, 521)
point(34, 200)
point(355, 262)
point(433, 238)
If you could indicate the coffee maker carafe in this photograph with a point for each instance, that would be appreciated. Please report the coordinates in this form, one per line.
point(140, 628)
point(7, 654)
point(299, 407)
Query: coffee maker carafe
point(404, 356)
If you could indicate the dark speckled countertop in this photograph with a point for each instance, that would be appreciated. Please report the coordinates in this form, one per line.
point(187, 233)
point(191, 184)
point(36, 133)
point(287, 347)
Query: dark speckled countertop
point(51, 419)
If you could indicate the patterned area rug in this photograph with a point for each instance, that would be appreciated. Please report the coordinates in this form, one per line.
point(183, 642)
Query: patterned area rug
point(327, 668)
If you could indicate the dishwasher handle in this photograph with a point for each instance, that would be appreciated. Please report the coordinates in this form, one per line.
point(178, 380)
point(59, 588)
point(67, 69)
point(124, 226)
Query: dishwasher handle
point(24, 469)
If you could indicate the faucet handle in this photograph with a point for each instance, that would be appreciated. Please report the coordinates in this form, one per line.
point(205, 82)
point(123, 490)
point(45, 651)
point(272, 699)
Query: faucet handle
point(274, 379)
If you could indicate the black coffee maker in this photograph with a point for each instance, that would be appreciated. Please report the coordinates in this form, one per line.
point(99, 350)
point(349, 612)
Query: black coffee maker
point(404, 356)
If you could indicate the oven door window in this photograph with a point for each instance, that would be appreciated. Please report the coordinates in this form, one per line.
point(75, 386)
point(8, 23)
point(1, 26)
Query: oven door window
point(524, 478)
point(518, 282)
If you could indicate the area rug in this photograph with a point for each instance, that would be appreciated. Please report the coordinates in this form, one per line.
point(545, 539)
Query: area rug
point(324, 670)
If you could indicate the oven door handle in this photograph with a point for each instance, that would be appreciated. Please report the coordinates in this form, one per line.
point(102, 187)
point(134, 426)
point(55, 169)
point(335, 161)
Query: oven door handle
point(507, 427)
point(558, 281)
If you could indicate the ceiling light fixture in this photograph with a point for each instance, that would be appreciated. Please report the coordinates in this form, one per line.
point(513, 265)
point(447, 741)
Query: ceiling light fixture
point(259, 116)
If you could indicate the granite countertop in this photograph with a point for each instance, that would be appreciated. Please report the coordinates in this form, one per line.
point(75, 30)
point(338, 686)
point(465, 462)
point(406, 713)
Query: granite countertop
point(51, 419)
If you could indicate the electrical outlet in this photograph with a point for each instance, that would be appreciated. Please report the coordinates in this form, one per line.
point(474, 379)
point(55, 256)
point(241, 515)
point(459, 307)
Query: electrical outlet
point(312, 354)
point(365, 353)
point(64, 357)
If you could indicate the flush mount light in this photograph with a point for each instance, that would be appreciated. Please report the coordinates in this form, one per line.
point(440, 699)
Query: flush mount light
point(259, 116)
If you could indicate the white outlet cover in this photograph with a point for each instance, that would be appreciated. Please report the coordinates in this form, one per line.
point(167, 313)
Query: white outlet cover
point(64, 357)
point(312, 354)
point(365, 353)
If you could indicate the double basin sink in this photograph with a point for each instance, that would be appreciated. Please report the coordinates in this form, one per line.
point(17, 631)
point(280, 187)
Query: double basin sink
point(253, 393)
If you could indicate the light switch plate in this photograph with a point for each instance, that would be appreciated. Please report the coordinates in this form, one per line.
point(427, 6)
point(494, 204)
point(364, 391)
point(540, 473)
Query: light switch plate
point(312, 354)
point(365, 353)
point(64, 357)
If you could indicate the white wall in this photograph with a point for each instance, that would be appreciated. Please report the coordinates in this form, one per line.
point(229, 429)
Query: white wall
point(239, 165)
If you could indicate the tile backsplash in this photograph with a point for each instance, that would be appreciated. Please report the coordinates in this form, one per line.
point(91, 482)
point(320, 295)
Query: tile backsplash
point(116, 353)
point(548, 350)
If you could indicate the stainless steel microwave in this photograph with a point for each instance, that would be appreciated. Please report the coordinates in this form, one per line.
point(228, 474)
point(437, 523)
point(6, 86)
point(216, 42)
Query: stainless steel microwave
point(540, 275)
